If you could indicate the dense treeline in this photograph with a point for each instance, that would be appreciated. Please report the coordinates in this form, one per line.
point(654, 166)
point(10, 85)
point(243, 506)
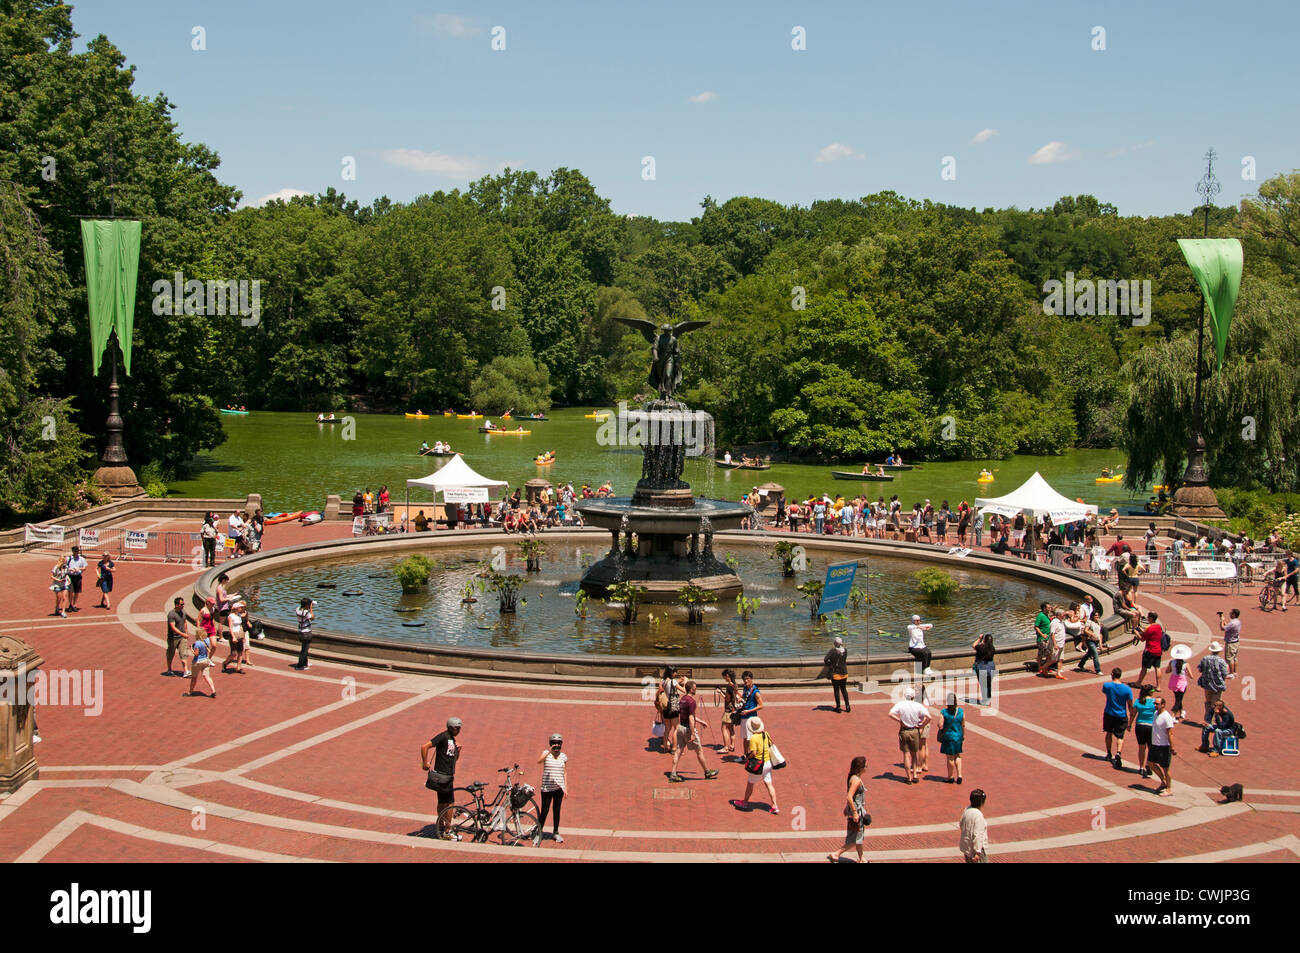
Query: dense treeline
point(843, 329)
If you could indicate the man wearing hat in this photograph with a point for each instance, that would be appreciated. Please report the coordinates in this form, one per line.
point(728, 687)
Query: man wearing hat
point(916, 643)
point(913, 719)
point(442, 775)
point(1213, 678)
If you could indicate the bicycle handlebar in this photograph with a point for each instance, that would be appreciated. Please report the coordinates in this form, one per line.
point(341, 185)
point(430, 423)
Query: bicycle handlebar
point(508, 770)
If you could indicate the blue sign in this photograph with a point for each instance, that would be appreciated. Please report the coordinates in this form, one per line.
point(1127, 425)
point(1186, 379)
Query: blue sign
point(835, 591)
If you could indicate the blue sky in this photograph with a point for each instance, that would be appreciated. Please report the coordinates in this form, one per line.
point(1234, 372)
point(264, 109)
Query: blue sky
point(713, 90)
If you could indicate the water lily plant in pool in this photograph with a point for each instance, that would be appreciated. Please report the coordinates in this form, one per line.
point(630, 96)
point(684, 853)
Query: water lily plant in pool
point(694, 599)
point(629, 594)
point(532, 550)
point(507, 589)
point(413, 572)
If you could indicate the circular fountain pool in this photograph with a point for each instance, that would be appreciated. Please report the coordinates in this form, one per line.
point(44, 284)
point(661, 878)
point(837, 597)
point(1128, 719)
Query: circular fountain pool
point(546, 621)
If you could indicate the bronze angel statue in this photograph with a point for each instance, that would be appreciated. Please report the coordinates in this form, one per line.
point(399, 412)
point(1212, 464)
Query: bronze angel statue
point(665, 349)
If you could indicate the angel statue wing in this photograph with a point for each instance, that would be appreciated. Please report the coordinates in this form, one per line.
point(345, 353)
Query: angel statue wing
point(684, 326)
point(648, 329)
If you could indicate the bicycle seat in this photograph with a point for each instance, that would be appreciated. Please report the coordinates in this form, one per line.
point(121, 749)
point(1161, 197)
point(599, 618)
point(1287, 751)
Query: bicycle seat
point(477, 786)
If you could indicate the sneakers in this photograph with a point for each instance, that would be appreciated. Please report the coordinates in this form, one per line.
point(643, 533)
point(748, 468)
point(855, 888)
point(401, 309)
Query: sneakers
point(537, 839)
point(710, 775)
point(557, 838)
point(676, 778)
point(36, 739)
point(928, 671)
point(1119, 763)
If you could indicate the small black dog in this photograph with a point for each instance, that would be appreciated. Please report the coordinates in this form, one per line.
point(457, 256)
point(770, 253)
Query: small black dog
point(1231, 792)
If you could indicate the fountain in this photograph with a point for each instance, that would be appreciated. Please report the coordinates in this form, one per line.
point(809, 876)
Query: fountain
point(673, 530)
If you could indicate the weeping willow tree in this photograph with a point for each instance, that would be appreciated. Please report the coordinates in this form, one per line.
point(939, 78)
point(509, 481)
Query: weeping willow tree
point(1252, 404)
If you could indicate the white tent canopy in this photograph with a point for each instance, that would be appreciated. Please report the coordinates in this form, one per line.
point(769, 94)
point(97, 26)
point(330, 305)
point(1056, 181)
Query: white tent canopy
point(1036, 497)
point(456, 474)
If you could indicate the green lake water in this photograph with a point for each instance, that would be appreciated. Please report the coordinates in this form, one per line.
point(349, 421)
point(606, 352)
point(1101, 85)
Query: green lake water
point(295, 463)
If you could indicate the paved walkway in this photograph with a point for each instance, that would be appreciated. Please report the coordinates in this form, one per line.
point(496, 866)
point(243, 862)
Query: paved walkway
point(324, 765)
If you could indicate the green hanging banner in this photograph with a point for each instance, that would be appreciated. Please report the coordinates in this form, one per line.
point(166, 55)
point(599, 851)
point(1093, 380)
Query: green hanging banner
point(112, 250)
point(1216, 263)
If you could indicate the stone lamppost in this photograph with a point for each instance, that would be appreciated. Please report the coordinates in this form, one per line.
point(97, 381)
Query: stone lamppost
point(17, 719)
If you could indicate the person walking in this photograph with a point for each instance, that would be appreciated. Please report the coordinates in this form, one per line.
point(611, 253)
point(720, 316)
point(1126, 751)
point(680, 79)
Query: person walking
point(555, 785)
point(758, 765)
point(208, 537)
point(1178, 676)
point(1043, 635)
point(688, 735)
point(1213, 678)
point(1162, 747)
point(985, 668)
point(855, 811)
point(836, 666)
point(306, 612)
point(1142, 715)
point(222, 595)
point(177, 639)
point(670, 689)
point(913, 720)
point(731, 696)
point(1091, 646)
point(951, 735)
point(441, 775)
point(1231, 639)
point(76, 566)
point(1115, 716)
point(202, 664)
point(1056, 633)
point(59, 586)
point(104, 580)
point(974, 840)
point(1155, 643)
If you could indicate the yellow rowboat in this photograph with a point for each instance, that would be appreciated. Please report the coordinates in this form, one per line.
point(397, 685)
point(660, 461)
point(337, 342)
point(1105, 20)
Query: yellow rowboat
point(596, 416)
point(1110, 479)
point(984, 477)
point(512, 433)
point(449, 413)
point(1163, 488)
point(419, 416)
point(543, 461)
point(469, 416)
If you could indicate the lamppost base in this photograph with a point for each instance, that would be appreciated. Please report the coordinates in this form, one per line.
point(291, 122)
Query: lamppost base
point(1197, 503)
point(120, 482)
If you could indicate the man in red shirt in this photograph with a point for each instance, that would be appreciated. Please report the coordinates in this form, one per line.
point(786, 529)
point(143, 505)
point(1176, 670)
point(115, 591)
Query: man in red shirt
point(1153, 638)
point(1119, 547)
point(688, 735)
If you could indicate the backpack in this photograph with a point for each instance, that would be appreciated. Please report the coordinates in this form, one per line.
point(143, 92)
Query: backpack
point(1165, 640)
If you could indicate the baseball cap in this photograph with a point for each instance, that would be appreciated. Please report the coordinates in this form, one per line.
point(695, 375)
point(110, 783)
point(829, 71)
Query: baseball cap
point(909, 693)
point(916, 618)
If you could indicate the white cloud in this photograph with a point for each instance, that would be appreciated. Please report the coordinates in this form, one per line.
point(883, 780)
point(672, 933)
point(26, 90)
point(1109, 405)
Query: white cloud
point(282, 196)
point(704, 97)
point(438, 163)
point(451, 24)
point(838, 150)
point(983, 136)
point(1054, 151)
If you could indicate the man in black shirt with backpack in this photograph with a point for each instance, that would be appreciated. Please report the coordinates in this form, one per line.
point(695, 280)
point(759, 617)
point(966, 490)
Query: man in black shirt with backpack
point(442, 776)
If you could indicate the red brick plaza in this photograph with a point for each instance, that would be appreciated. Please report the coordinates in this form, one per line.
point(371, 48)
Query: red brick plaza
point(324, 764)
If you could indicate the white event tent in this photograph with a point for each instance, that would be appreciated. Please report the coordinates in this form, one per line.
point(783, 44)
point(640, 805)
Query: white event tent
point(457, 482)
point(1036, 497)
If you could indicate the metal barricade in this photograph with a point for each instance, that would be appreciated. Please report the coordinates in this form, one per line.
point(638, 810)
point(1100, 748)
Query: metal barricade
point(1225, 572)
point(131, 544)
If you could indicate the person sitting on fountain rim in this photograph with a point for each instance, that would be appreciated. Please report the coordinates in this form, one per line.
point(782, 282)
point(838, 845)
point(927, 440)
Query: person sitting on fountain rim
point(916, 643)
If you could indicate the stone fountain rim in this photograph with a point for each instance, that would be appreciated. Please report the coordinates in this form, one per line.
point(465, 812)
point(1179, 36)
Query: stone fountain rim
point(532, 666)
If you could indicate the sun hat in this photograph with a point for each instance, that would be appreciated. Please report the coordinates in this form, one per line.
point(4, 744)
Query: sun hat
point(1216, 648)
point(755, 724)
point(909, 693)
point(1181, 652)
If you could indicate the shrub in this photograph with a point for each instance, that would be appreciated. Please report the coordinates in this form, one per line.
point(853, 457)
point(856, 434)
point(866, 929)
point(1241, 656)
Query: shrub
point(935, 584)
point(630, 595)
point(413, 572)
point(1289, 530)
point(694, 599)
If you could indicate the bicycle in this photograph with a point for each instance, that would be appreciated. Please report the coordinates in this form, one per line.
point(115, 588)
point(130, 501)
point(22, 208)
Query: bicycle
point(513, 812)
point(1267, 594)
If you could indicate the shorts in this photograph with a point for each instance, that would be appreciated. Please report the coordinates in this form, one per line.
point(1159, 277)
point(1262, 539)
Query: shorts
point(765, 775)
point(909, 740)
point(179, 644)
point(74, 583)
point(202, 664)
point(1151, 660)
point(1159, 755)
point(1143, 733)
point(1114, 724)
point(1230, 652)
point(687, 739)
point(59, 587)
point(238, 646)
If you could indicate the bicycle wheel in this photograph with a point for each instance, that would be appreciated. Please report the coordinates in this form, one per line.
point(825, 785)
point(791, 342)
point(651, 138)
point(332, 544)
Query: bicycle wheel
point(460, 823)
point(1265, 598)
point(521, 826)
